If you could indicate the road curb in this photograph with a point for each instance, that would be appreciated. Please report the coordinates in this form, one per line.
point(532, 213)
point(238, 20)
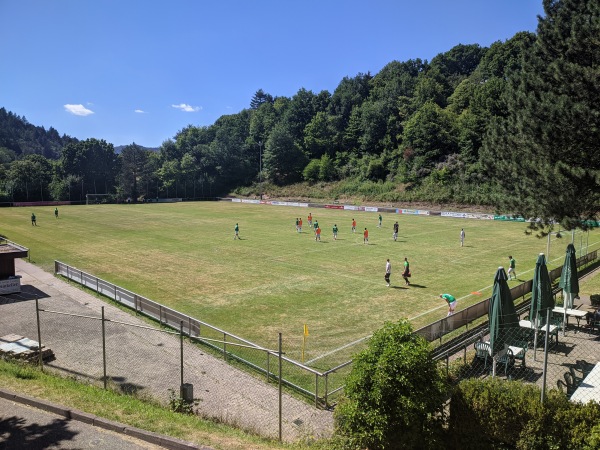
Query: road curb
point(100, 422)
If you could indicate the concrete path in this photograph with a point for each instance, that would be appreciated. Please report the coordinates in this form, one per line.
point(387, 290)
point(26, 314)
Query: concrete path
point(147, 361)
point(28, 423)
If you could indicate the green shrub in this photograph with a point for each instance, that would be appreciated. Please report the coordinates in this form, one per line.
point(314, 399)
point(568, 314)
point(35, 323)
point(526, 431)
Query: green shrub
point(311, 171)
point(326, 169)
point(505, 414)
point(393, 395)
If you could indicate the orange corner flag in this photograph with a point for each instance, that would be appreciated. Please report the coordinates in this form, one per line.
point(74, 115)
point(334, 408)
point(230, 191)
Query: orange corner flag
point(305, 330)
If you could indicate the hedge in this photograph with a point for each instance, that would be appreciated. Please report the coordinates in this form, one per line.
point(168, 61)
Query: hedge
point(494, 414)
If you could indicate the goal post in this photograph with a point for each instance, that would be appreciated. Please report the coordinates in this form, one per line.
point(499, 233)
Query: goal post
point(93, 199)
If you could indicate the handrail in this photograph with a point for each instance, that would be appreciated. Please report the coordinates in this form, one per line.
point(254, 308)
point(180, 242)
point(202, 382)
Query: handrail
point(441, 327)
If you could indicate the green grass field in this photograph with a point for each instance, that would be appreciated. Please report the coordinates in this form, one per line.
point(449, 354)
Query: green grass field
point(274, 279)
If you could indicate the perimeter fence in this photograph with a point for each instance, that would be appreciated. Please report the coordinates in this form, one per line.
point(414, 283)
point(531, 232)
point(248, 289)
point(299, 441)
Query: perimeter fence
point(320, 379)
point(561, 351)
point(557, 355)
point(321, 386)
point(161, 364)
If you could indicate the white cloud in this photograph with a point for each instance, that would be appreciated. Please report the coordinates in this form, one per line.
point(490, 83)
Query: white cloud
point(187, 108)
point(78, 110)
point(139, 111)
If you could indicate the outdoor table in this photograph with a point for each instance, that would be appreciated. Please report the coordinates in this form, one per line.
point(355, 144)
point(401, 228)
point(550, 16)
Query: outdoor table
point(548, 328)
point(577, 313)
point(528, 324)
point(589, 389)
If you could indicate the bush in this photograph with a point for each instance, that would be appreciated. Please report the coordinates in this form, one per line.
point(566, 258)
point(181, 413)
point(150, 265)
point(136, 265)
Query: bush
point(508, 414)
point(326, 169)
point(393, 395)
point(312, 170)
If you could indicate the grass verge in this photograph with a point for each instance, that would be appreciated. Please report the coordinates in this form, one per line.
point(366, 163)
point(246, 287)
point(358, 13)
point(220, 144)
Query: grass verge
point(142, 413)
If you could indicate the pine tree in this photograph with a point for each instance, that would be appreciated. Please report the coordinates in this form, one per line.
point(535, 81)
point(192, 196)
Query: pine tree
point(544, 153)
point(259, 98)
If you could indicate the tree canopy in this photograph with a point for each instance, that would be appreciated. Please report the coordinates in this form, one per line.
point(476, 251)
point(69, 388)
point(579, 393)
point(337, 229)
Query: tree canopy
point(514, 126)
point(543, 152)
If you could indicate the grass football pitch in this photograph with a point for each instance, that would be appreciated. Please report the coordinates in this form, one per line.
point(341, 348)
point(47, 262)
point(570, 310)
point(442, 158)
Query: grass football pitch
point(275, 279)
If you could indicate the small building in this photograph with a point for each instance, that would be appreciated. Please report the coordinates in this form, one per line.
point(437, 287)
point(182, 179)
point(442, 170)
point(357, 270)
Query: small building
point(10, 283)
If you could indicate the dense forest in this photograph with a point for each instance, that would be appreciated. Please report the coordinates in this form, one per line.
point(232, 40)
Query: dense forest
point(514, 126)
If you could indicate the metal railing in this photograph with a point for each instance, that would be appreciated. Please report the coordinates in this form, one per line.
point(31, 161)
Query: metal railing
point(463, 318)
point(299, 377)
point(219, 340)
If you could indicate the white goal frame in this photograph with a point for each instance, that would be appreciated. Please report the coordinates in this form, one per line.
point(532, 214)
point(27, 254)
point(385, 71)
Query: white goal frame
point(94, 196)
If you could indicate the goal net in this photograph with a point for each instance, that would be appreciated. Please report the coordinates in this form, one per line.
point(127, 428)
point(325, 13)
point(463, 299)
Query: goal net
point(94, 199)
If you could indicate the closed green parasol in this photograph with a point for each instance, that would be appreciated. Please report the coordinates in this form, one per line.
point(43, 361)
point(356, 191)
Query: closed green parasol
point(541, 293)
point(502, 315)
point(541, 297)
point(569, 281)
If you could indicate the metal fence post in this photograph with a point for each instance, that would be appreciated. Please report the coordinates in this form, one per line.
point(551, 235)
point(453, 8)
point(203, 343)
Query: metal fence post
point(225, 346)
point(37, 314)
point(181, 357)
point(268, 366)
point(103, 348)
point(280, 386)
point(326, 389)
point(316, 390)
point(545, 355)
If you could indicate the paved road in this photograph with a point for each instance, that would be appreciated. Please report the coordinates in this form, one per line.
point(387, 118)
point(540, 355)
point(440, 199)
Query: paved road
point(24, 427)
point(146, 361)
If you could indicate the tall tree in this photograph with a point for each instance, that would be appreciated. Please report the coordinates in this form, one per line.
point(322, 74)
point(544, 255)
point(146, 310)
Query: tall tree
point(133, 163)
point(544, 154)
point(259, 98)
point(30, 178)
point(431, 134)
point(283, 159)
point(94, 162)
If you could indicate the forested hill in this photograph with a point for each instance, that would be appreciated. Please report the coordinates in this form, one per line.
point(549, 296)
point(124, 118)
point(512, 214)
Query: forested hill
point(20, 137)
point(514, 125)
point(120, 148)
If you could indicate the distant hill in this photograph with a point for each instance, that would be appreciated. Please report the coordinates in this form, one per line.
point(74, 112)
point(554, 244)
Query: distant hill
point(23, 138)
point(119, 148)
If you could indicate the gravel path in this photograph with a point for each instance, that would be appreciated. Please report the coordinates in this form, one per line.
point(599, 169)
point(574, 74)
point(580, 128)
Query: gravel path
point(145, 360)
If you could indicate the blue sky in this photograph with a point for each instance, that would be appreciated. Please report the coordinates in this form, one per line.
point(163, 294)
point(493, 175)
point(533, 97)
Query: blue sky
point(139, 71)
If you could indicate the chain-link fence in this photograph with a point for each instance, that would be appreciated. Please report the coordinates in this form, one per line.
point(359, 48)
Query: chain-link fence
point(163, 364)
point(553, 355)
point(320, 385)
point(322, 378)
